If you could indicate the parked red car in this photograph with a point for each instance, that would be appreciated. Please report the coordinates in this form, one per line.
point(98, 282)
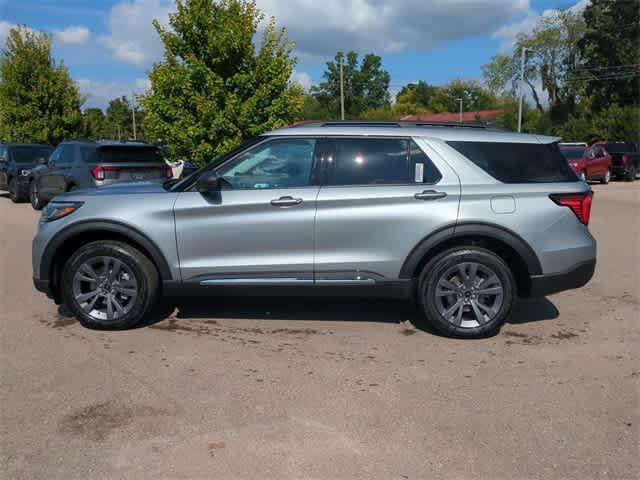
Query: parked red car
point(590, 164)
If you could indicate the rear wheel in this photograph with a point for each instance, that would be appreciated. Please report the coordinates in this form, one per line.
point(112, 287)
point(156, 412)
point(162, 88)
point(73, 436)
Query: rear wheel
point(34, 196)
point(632, 173)
point(109, 285)
point(467, 292)
point(607, 177)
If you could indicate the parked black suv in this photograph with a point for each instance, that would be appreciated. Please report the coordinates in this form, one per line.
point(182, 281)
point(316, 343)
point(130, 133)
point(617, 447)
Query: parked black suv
point(625, 159)
point(16, 162)
point(87, 164)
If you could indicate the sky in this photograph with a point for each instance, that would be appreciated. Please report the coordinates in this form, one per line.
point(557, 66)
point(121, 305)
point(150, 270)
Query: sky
point(110, 45)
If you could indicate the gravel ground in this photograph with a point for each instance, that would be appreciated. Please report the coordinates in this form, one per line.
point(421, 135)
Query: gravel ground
point(282, 388)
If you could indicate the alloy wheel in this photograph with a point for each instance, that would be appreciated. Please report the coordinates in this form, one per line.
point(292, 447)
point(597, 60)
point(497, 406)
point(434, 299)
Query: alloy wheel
point(105, 288)
point(469, 295)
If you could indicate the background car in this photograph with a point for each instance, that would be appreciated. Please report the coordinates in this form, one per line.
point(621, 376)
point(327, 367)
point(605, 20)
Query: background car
point(16, 162)
point(86, 164)
point(590, 164)
point(625, 159)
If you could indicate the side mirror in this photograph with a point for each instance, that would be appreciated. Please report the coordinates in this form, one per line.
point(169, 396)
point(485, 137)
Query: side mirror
point(209, 182)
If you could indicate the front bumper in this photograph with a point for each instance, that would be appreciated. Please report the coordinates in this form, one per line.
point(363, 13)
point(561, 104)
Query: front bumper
point(576, 277)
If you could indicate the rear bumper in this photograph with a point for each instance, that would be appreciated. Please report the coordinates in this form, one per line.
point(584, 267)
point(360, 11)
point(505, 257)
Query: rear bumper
point(576, 277)
point(620, 169)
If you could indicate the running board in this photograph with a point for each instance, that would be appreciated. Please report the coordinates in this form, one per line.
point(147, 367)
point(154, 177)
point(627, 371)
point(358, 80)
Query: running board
point(285, 281)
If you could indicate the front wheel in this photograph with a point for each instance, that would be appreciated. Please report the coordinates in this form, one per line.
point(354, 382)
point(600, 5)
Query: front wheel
point(467, 292)
point(34, 196)
point(607, 177)
point(109, 285)
point(14, 191)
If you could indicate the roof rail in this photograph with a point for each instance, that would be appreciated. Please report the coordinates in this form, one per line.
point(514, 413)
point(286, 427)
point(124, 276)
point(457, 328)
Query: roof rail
point(402, 124)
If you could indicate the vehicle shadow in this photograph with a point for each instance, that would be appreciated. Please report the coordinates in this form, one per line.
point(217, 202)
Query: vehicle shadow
point(325, 309)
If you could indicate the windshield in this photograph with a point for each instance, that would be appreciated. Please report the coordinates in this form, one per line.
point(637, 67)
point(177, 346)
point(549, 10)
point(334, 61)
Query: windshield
point(186, 182)
point(30, 155)
point(572, 153)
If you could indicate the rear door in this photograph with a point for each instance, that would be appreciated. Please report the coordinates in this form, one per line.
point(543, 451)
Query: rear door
point(380, 197)
point(259, 228)
point(51, 181)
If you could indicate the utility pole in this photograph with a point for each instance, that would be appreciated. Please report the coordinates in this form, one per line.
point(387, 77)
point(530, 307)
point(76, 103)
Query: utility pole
point(522, 60)
point(460, 118)
point(341, 88)
point(133, 115)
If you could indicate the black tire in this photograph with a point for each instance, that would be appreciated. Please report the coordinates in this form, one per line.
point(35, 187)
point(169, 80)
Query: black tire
point(34, 196)
point(143, 270)
point(631, 174)
point(607, 178)
point(14, 191)
point(449, 260)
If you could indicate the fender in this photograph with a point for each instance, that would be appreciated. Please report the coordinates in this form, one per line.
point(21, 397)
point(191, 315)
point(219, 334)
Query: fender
point(465, 229)
point(105, 226)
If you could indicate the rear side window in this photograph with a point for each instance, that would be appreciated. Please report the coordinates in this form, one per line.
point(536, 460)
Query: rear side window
point(376, 161)
point(518, 162)
point(117, 154)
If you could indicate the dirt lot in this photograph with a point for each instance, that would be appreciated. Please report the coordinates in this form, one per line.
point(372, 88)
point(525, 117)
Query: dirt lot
point(259, 388)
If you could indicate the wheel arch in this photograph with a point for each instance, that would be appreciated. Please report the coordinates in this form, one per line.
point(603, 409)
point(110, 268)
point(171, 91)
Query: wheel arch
point(67, 241)
point(507, 244)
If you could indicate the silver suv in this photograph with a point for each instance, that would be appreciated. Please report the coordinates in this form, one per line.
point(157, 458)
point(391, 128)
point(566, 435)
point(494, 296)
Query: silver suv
point(464, 219)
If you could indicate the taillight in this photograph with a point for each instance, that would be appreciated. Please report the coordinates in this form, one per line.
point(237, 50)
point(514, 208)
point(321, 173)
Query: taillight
point(99, 172)
point(625, 158)
point(579, 203)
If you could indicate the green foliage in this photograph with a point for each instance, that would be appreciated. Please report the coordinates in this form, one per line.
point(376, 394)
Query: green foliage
point(39, 102)
point(612, 123)
point(93, 124)
point(213, 89)
point(366, 85)
point(611, 40)
point(473, 95)
point(417, 93)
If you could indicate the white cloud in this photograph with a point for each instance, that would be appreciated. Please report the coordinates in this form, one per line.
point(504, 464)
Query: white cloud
point(132, 38)
point(507, 34)
point(320, 28)
point(303, 79)
point(72, 36)
point(100, 93)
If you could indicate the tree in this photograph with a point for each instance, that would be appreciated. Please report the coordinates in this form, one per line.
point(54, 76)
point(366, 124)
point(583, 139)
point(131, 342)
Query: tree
point(214, 88)
point(39, 102)
point(119, 121)
point(552, 63)
point(366, 85)
point(417, 93)
point(473, 95)
point(611, 51)
point(93, 124)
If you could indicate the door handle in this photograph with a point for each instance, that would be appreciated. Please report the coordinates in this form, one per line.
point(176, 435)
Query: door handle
point(429, 195)
point(286, 202)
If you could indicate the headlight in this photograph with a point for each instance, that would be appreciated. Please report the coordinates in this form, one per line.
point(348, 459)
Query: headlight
point(25, 173)
point(57, 210)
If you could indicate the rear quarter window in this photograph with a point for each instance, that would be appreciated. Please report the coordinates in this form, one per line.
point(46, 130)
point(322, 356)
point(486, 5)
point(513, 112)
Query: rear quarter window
point(518, 162)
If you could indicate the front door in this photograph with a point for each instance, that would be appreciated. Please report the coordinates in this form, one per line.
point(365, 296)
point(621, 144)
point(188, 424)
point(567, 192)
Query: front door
point(259, 228)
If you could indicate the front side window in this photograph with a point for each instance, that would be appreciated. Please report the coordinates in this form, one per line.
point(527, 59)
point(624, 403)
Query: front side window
point(279, 163)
